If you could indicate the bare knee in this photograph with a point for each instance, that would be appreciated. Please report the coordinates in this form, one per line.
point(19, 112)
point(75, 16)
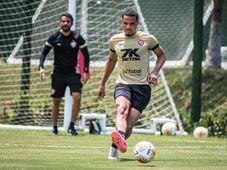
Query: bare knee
point(56, 101)
point(76, 96)
point(122, 110)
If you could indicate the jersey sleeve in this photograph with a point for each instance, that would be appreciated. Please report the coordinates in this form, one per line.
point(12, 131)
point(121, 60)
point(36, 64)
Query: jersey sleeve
point(111, 45)
point(153, 42)
point(50, 41)
point(79, 39)
point(46, 49)
point(82, 44)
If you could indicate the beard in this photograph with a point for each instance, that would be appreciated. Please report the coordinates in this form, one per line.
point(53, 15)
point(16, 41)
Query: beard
point(66, 28)
point(129, 33)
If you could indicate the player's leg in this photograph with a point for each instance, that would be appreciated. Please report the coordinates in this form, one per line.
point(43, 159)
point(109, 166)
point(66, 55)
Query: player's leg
point(122, 100)
point(76, 106)
point(75, 111)
point(140, 98)
point(131, 121)
point(75, 89)
point(118, 136)
point(57, 92)
point(113, 153)
point(55, 113)
point(122, 107)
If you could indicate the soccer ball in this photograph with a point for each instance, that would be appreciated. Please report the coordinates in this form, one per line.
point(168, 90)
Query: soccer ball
point(200, 132)
point(169, 129)
point(144, 151)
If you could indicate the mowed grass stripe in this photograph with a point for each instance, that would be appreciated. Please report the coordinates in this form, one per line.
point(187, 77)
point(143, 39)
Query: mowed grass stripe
point(34, 150)
point(100, 147)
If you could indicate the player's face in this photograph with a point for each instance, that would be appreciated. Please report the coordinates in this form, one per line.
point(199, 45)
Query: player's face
point(65, 23)
point(129, 25)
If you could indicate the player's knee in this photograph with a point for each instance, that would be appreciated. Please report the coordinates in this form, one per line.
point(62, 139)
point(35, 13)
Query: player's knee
point(76, 96)
point(121, 110)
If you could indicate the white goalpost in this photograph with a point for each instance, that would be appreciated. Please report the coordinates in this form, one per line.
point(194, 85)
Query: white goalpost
point(68, 98)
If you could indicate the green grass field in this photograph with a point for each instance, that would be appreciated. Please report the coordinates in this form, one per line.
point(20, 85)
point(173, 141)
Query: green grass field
point(34, 150)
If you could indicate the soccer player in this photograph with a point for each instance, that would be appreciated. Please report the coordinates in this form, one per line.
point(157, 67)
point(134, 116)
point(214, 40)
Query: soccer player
point(131, 49)
point(66, 44)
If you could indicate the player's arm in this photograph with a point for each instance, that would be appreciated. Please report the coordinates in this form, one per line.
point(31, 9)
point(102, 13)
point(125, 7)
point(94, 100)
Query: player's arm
point(161, 58)
point(42, 58)
point(86, 55)
point(109, 67)
point(83, 47)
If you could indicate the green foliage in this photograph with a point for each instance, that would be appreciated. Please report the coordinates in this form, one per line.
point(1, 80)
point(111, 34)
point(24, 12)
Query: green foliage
point(215, 122)
point(214, 98)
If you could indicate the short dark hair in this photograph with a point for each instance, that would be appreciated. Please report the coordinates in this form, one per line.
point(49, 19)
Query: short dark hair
point(131, 13)
point(67, 14)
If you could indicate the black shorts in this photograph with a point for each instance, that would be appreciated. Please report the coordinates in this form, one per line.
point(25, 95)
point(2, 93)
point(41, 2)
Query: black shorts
point(59, 82)
point(138, 95)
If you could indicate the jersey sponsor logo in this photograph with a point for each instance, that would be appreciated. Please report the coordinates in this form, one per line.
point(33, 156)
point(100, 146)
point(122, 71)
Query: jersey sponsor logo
point(140, 43)
point(130, 54)
point(73, 44)
point(58, 44)
point(133, 72)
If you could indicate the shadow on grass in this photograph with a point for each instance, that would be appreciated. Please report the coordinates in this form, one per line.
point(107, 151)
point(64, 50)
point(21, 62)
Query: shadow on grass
point(126, 159)
point(139, 164)
point(146, 165)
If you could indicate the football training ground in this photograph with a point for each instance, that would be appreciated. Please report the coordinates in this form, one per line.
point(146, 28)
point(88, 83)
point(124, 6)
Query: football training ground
point(40, 150)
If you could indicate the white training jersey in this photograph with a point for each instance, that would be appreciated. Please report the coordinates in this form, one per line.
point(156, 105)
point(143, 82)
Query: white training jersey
point(133, 55)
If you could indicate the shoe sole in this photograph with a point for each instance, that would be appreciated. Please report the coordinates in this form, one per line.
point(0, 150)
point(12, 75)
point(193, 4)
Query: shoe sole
point(112, 158)
point(119, 141)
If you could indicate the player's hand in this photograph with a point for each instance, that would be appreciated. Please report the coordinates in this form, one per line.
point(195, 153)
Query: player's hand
point(153, 79)
point(101, 93)
point(84, 78)
point(41, 73)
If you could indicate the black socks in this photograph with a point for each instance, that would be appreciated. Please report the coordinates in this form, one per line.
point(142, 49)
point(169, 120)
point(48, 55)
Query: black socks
point(122, 134)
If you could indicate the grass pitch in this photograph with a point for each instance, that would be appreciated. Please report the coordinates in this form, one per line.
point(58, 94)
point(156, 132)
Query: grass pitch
point(36, 150)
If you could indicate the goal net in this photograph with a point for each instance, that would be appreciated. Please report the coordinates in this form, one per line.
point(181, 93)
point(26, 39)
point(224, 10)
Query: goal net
point(26, 25)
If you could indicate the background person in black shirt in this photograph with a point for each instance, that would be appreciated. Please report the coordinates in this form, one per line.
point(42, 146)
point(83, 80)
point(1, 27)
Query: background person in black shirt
point(66, 44)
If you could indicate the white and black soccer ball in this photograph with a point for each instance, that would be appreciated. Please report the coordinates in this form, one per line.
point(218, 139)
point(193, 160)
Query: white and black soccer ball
point(200, 132)
point(169, 129)
point(144, 151)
